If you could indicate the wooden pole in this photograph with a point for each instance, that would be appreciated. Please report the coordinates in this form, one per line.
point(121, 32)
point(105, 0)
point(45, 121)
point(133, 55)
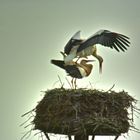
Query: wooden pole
point(93, 136)
point(69, 136)
point(46, 135)
point(116, 137)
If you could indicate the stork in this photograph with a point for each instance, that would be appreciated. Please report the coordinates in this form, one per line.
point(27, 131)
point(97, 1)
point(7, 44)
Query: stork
point(77, 47)
point(74, 69)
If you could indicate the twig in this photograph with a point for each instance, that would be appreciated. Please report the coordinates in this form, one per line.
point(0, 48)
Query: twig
point(76, 112)
point(62, 84)
point(69, 83)
point(55, 83)
point(26, 121)
point(97, 125)
point(132, 113)
point(111, 88)
point(27, 133)
point(37, 133)
point(33, 114)
point(135, 129)
point(136, 110)
point(28, 112)
point(41, 136)
point(90, 84)
point(28, 125)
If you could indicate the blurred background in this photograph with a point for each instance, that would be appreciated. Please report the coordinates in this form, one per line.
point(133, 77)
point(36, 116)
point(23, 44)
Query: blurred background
point(32, 32)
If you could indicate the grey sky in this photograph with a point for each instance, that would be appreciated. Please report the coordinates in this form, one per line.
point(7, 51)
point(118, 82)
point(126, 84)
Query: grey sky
point(34, 31)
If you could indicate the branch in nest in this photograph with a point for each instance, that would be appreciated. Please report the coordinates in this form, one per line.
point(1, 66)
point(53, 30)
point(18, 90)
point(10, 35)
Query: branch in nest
point(69, 83)
point(28, 125)
point(62, 84)
point(26, 121)
point(28, 112)
point(27, 133)
point(135, 129)
point(111, 88)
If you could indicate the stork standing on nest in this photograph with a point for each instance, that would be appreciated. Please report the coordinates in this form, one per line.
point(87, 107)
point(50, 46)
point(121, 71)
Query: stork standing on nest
point(74, 69)
point(77, 47)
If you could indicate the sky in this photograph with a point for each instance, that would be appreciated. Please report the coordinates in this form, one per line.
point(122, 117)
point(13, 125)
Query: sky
point(32, 32)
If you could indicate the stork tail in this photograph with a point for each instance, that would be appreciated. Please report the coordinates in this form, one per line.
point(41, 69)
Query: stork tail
point(58, 63)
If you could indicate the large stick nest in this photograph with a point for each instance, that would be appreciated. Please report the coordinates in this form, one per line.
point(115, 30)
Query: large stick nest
point(84, 112)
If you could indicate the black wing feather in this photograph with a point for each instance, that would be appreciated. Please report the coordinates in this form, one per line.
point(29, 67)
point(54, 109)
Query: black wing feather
point(58, 63)
point(107, 39)
point(126, 42)
point(115, 47)
point(122, 44)
point(73, 71)
point(71, 44)
point(119, 46)
point(123, 36)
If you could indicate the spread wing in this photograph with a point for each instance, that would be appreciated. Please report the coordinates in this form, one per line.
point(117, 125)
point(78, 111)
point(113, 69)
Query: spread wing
point(107, 39)
point(75, 40)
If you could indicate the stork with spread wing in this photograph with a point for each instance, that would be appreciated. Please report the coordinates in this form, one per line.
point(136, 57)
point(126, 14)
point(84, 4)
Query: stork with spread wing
point(77, 47)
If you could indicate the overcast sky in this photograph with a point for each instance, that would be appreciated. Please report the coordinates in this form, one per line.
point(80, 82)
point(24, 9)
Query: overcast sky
point(34, 31)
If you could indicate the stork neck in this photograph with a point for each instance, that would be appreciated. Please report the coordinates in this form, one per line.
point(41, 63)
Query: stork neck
point(98, 57)
point(86, 67)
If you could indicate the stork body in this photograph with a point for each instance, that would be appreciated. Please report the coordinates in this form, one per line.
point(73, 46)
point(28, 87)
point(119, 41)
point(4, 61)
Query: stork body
point(75, 70)
point(84, 48)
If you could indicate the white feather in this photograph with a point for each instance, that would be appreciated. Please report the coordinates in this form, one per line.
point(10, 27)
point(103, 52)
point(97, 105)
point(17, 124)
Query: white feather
point(77, 35)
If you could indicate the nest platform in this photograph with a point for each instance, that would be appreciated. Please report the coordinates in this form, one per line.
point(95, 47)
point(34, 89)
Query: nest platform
point(83, 112)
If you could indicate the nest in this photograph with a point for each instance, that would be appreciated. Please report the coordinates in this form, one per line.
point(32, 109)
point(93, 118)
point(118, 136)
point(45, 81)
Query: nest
point(83, 112)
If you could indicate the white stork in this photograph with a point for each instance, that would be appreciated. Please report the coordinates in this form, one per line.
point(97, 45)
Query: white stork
point(83, 48)
point(75, 70)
